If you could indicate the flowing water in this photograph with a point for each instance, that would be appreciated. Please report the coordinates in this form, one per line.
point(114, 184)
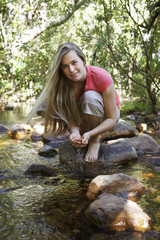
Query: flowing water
point(54, 207)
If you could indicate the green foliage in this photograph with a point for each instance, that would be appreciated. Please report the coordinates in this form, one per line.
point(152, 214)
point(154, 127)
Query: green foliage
point(134, 105)
point(120, 36)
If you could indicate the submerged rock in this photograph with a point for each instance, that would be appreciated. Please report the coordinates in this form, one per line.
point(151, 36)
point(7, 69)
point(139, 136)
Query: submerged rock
point(119, 184)
point(3, 129)
point(38, 169)
point(117, 214)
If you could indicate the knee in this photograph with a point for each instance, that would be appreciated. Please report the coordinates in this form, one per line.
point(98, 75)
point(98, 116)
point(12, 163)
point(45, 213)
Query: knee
point(92, 97)
point(92, 103)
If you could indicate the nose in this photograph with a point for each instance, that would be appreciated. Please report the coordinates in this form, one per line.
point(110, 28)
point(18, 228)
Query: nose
point(71, 68)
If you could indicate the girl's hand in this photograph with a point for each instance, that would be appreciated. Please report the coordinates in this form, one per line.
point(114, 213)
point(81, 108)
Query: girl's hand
point(85, 138)
point(75, 138)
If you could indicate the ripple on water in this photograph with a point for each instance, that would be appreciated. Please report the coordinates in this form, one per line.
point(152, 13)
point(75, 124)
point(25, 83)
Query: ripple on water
point(39, 208)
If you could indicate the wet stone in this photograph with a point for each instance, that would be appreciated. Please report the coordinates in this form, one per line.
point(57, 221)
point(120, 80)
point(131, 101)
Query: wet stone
point(142, 142)
point(3, 128)
point(42, 170)
point(119, 184)
point(156, 161)
point(122, 129)
point(47, 151)
point(35, 136)
point(117, 214)
point(118, 153)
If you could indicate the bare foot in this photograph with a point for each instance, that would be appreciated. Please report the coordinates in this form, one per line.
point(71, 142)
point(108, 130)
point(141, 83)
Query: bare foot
point(92, 152)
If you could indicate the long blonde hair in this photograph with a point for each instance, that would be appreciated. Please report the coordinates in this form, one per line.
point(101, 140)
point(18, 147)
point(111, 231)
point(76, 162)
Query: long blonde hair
point(61, 110)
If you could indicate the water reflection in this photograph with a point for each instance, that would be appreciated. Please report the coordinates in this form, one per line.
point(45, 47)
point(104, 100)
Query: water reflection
point(49, 208)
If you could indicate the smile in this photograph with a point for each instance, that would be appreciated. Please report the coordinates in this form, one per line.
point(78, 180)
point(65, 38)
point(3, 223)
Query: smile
point(74, 74)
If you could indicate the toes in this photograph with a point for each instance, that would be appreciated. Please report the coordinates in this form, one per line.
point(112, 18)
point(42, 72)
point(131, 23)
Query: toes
point(90, 159)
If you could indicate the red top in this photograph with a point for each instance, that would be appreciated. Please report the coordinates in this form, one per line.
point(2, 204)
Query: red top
point(98, 79)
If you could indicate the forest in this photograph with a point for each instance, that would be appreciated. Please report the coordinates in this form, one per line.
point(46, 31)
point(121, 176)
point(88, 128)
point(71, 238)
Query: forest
point(120, 36)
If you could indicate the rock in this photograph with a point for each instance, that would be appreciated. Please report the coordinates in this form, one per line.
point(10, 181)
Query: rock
point(117, 214)
point(52, 141)
point(38, 169)
point(9, 108)
point(35, 136)
point(21, 127)
point(18, 135)
point(131, 117)
point(38, 131)
point(39, 128)
point(122, 129)
point(117, 153)
point(155, 160)
point(141, 142)
point(108, 154)
point(47, 151)
point(157, 119)
point(119, 184)
point(19, 131)
point(55, 143)
point(141, 127)
point(3, 128)
point(150, 117)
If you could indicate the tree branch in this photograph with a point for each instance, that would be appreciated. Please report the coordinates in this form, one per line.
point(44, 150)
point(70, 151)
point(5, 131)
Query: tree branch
point(153, 6)
point(61, 21)
point(114, 54)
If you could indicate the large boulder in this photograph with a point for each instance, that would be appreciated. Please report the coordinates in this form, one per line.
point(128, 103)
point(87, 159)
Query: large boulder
point(119, 184)
point(113, 154)
point(141, 142)
point(117, 214)
point(122, 129)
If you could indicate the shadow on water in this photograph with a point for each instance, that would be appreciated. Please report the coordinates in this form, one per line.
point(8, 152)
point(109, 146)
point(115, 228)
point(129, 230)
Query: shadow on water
point(54, 207)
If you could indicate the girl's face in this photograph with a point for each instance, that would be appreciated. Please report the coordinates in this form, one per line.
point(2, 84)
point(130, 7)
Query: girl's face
point(73, 67)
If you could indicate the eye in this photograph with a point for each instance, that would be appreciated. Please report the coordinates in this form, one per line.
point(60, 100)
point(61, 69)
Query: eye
point(63, 67)
point(74, 62)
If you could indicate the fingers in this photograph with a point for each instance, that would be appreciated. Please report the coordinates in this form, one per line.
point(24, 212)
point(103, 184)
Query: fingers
point(85, 138)
point(78, 145)
point(78, 141)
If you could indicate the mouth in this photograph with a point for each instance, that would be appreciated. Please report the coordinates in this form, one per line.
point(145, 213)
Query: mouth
point(74, 74)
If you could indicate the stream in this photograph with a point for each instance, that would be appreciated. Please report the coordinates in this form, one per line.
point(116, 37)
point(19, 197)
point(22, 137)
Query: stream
point(53, 208)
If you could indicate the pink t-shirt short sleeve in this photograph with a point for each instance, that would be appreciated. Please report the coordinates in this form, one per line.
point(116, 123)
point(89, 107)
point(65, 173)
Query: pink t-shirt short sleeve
point(98, 79)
